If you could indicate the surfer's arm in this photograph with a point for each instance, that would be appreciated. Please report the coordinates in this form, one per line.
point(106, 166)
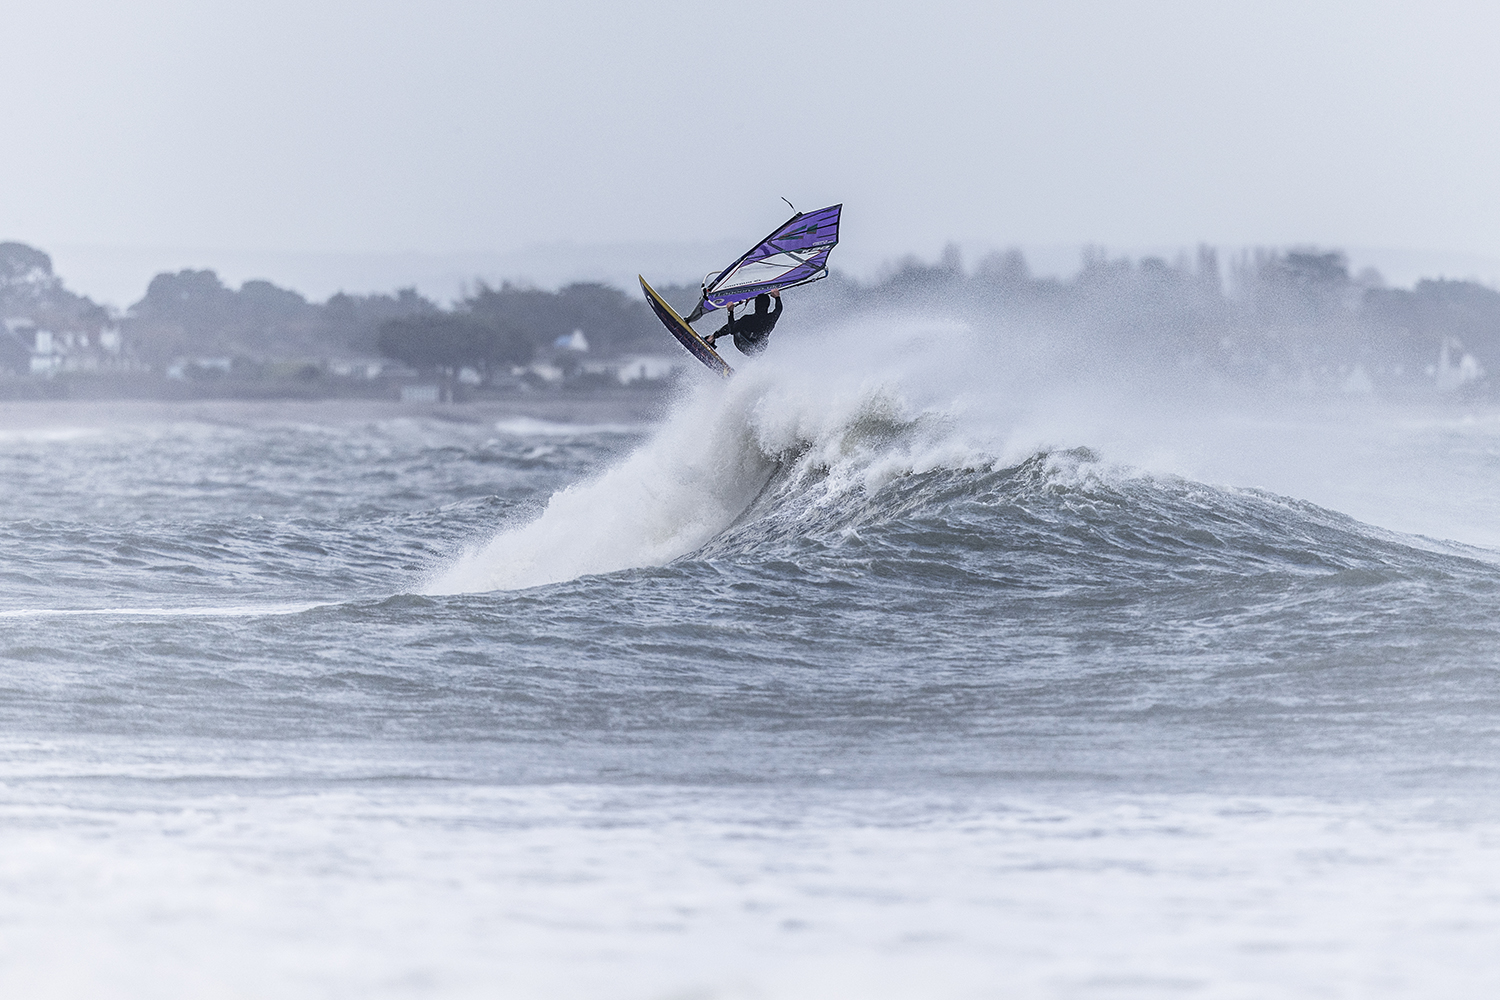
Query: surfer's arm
point(727, 330)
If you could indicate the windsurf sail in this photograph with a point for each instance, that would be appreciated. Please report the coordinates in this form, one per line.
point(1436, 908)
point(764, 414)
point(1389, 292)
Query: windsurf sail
point(795, 254)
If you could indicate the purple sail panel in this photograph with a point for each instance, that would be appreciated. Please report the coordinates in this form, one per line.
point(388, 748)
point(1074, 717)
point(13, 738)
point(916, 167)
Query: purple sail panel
point(794, 254)
point(803, 232)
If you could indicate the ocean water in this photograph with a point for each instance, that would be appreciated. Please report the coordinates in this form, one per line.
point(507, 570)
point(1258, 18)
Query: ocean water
point(912, 678)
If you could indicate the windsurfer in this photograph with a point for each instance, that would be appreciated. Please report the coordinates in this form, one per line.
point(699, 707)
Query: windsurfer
point(751, 333)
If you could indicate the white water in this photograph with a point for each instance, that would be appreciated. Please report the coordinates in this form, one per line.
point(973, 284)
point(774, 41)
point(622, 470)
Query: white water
point(522, 893)
point(910, 396)
point(645, 792)
point(707, 463)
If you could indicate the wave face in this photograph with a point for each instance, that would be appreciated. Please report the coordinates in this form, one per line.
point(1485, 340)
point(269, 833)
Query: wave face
point(913, 521)
point(720, 450)
point(928, 479)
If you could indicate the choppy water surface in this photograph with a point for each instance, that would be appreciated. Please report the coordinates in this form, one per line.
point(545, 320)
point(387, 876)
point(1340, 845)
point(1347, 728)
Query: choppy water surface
point(817, 688)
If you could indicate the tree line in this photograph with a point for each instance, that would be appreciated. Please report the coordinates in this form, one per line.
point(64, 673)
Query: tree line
point(1260, 318)
point(1269, 317)
point(194, 312)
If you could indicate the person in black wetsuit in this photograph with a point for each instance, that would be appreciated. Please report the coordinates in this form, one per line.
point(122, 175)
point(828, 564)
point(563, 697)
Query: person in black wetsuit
point(751, 333)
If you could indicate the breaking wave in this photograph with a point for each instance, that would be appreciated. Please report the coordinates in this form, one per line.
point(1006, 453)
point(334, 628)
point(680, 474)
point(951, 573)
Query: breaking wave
point(915, 460)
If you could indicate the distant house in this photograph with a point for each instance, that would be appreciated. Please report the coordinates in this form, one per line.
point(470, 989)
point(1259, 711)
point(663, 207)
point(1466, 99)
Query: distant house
point(574, 341)
point(427, 393)
point(52, 351)
point(641, 367)
point(182, 368)
point(1455, 367)
point(366, 368)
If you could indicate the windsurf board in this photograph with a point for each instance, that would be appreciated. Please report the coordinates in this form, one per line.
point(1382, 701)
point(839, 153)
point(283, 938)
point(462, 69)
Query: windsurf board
point(686, 335)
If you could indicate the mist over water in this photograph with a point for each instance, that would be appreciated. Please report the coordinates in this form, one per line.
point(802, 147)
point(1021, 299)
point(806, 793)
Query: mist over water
point(916, 660)
point(856, 406)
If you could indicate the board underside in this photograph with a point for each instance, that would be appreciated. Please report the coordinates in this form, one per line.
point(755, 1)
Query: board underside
point(686, 335)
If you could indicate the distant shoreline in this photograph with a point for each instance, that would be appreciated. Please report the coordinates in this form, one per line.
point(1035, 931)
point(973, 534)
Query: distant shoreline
point(604, 407)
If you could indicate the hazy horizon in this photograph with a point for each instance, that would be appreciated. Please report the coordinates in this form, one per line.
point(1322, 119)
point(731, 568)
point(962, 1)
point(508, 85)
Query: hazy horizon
point(454, 129)
point(118, 276)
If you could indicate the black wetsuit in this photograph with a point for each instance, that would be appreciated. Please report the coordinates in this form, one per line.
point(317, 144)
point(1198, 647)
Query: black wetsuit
point(753, 332)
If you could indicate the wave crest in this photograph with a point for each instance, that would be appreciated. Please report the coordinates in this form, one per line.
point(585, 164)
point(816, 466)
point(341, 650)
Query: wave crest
point(794, 462)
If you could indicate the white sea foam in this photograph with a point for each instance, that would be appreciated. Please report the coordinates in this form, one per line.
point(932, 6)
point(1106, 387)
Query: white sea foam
point(230, 611)
point(791, 412)
point(48, 435)
point(524, 893)
point(672, 495)
point(533, 427)
point(876, 399)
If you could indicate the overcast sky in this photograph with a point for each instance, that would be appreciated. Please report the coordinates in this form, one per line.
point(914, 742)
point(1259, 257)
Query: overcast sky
point(381, 127)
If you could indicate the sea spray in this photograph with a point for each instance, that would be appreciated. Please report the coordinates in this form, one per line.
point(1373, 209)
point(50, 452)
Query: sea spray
point(793, 415)
point(675, 492)
point(838, 412)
